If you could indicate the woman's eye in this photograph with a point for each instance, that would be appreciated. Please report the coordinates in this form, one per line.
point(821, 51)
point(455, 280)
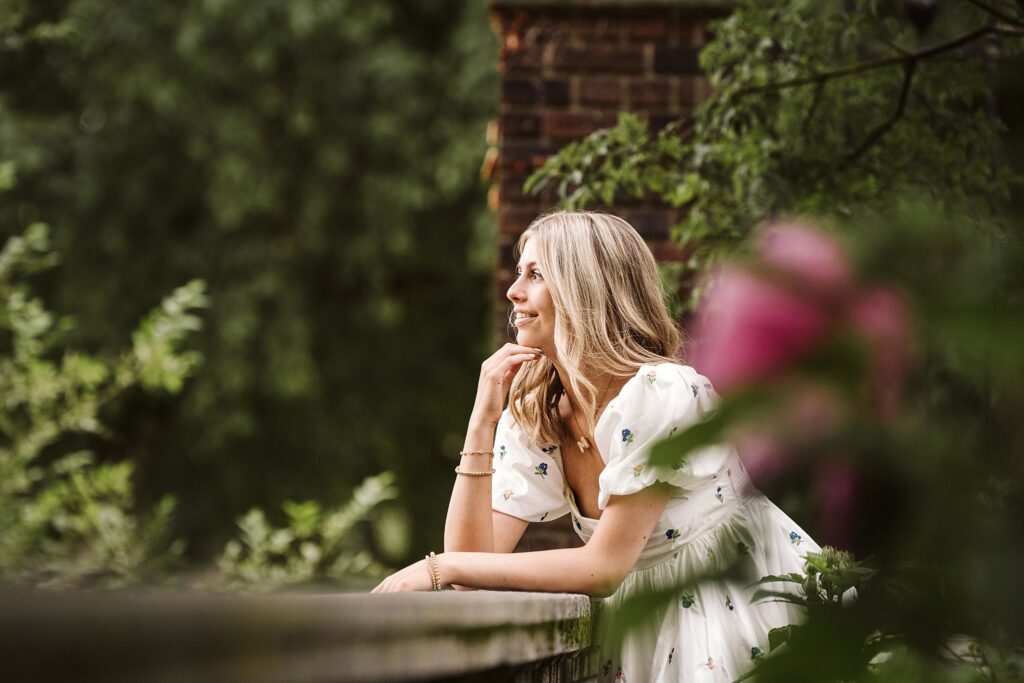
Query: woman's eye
point(536, 275)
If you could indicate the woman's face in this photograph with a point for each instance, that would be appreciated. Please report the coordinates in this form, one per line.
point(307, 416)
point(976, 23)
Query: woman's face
point(534, 310)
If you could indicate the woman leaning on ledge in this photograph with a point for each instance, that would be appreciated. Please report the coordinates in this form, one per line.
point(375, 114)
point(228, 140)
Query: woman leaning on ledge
point(592, 383)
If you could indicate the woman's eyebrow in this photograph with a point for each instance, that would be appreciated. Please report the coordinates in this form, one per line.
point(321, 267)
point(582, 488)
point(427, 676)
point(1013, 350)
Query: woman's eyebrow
point(522, 266)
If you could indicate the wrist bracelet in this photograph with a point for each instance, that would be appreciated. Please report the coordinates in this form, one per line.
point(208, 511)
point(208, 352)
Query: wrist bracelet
point(485, 473)
point(490, 453)
point(435, 573)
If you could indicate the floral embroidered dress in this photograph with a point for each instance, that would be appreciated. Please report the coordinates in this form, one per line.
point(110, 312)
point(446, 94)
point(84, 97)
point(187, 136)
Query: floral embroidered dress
point(711, 632)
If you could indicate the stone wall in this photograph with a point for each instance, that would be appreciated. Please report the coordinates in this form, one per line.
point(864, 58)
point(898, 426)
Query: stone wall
point(192, 637)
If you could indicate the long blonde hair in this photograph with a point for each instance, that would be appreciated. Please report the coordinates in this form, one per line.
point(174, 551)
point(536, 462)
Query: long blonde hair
point(610, 314)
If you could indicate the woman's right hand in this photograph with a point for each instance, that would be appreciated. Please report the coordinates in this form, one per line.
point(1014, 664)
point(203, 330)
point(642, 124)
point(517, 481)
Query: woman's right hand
point(496, 374)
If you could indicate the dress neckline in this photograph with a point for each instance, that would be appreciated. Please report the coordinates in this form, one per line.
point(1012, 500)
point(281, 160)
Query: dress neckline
point(597, 426)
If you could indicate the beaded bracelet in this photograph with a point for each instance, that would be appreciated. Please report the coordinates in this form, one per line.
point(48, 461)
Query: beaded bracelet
point(490, 453)
point(435, 573)
point(459, 470)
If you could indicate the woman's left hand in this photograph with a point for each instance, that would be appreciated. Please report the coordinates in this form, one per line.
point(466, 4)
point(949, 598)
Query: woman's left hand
point(415, 577)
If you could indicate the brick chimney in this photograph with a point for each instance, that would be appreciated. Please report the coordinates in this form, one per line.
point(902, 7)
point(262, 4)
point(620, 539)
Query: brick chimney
point(568, 67)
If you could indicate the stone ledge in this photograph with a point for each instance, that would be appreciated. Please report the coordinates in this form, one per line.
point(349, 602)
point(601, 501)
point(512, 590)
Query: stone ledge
point(197, 637)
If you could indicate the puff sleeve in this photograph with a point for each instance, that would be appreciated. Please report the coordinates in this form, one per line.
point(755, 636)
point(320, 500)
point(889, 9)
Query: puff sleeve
point(653, 405)
point(528, 481)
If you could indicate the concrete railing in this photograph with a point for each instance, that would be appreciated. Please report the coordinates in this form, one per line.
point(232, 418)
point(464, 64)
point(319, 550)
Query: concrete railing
point(198, 637)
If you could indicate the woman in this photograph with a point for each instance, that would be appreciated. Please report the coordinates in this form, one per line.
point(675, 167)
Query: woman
point(592, 383)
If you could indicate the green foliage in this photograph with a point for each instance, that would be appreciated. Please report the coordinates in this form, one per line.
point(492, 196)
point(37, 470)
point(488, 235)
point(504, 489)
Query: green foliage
point(316, 162)
point(315, 546)
point(67, 518)
point(818, 108)
point(827, 577)
point(939, 492)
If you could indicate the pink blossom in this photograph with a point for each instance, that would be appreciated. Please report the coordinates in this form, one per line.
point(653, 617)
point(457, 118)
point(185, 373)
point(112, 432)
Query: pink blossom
point(880, 316)
point(764, 455)
point(836, 483)
point(750, 328)
point(809, 255)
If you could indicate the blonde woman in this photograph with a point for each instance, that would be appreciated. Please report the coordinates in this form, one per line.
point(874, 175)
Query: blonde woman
point(591, 384)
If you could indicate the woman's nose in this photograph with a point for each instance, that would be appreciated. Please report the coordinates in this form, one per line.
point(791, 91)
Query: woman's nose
point(514, 293)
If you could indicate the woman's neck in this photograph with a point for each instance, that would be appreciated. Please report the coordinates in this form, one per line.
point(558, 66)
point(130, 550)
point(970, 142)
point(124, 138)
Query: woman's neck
point(605, 385)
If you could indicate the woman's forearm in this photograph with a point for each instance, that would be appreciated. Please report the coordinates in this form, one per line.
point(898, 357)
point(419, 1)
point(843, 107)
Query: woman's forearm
point(567, 570)
point(468, 526)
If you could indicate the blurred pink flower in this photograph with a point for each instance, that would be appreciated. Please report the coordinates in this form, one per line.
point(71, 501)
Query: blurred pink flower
point(881, 317)
point(764, 455)
point(836, 483)
point(750, 328)
point(802, 414)
point(809, 255)
point(759, 320)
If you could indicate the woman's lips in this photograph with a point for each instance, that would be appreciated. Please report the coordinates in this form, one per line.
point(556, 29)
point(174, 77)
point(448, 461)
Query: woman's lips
point(525, 320)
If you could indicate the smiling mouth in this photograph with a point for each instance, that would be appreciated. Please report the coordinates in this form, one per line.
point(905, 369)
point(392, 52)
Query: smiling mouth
point(524, 318)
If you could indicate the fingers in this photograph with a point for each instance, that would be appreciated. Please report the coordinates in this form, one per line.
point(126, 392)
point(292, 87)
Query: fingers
point(507, 350)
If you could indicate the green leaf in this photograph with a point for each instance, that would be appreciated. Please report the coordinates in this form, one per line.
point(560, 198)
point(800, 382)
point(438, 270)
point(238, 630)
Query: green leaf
point(778, 637)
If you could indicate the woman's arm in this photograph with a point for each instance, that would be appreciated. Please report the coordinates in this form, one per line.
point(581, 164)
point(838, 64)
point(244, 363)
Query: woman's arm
point(597, 569)
point(470, 524)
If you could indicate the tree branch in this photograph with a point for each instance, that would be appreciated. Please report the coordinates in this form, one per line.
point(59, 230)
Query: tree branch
point(854, 69)
point(819, 89)
point(883, 128)
point(998, 14)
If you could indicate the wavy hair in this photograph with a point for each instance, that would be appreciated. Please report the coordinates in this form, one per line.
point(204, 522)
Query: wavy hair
point(610, 314)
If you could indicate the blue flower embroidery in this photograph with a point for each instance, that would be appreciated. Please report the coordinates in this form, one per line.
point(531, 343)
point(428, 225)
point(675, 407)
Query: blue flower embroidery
point(501, 452)
point(627, 436)
point(755, 652)
point(728, 603)
point(541, 469)
point(687, 600)
point(549, 449)
point(795, 538)
point(718, 494)
point(672, 534)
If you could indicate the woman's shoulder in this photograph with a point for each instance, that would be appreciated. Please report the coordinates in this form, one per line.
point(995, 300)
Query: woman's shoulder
point(666, 386)
point(669, 374)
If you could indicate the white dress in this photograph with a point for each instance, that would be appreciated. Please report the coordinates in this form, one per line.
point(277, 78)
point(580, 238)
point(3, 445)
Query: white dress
point(712, 631)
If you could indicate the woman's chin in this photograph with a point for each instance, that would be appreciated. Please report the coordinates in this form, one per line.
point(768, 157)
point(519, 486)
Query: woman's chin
point(529, 338)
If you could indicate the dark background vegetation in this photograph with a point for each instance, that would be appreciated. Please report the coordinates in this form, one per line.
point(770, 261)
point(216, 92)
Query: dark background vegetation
point(316, 163)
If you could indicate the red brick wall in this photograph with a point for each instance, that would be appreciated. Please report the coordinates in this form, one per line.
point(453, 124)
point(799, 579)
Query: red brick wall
point(567, 69)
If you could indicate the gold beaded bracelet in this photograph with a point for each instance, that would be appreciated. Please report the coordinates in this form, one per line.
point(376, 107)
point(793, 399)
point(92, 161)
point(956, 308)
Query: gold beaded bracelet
point(490, 453)
point(485, 473)
point(435, 573)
